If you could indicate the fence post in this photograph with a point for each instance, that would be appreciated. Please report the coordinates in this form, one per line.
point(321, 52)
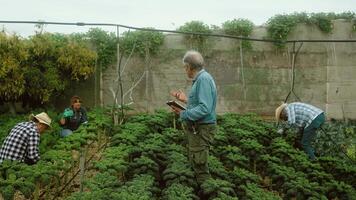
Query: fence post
point(83, 152)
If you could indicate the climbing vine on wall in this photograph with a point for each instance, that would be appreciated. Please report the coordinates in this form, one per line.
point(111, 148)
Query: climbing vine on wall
point(239, 27)
point(280, 26)
point(198, 42)
point(141, 42)
point(105, 44)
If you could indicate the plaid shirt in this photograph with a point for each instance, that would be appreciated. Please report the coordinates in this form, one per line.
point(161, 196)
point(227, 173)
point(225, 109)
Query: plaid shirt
point(301, 114)
point(22, 144)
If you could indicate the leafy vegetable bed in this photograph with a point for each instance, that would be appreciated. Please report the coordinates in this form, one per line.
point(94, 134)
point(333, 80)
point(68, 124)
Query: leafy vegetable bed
point(147, 159)
point(59, 158)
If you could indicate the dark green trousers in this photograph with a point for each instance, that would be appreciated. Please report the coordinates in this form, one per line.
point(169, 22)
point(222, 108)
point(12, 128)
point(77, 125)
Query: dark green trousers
point(309, 135)
point(199, 139)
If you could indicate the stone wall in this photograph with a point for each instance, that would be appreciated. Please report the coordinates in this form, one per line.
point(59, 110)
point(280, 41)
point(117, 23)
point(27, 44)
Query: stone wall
point(325, 74)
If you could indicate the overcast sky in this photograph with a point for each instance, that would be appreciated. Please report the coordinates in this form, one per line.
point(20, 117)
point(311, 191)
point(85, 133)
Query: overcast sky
point(162, 14)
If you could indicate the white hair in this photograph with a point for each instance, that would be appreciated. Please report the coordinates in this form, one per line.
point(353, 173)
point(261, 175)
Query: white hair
point(194, 59)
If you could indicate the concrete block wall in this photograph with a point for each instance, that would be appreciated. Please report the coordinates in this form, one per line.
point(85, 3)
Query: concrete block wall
point(325, 74)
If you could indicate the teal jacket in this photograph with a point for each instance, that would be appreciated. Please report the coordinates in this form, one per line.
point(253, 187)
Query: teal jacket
point(201, 100)
point(73, 122)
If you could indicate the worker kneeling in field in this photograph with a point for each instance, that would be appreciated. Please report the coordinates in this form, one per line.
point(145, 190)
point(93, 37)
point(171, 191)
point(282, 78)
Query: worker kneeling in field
point(73, 117)
point(22, 144)
point(307, 117)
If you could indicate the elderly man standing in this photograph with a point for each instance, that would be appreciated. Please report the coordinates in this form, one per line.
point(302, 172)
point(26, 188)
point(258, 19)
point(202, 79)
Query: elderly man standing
point(307, 117)
point(22, 144)
point(199, 116)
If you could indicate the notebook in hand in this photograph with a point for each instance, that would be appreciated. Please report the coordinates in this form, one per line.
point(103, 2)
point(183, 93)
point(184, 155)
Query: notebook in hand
point(175, 104)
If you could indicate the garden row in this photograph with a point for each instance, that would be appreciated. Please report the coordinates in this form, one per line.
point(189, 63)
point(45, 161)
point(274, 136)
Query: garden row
point(59, 159)
point(147, 159)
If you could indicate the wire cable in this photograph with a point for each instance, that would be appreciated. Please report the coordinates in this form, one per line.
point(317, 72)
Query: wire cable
point(167, 31)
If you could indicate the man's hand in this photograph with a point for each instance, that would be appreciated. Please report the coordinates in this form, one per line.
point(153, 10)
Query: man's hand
point(179, 95)
point(68, 113)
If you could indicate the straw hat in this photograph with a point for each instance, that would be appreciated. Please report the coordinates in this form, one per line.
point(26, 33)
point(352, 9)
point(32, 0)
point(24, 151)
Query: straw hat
point(42, 118)
point(279, 111)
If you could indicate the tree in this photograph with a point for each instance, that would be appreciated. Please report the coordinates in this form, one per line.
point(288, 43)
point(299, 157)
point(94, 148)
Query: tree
point(12, 55)
point(34, 70)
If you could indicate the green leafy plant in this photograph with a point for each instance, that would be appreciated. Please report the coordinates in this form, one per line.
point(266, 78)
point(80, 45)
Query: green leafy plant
point(241, 176)
point(335, 139)
point(178, 191)
point(178, 170)
point(131, 134)
point(142, 43)
point(217, 169)
point(259, 164)
point(231, 156)
point(253, 191)
point(280, 26)
point(105, 45)
point(115, 160)
point(144, 165)
point(198, 42)
point(56, 160)
point(239, 27)
point(12, 55)
point(34, 70)
point(213, 187)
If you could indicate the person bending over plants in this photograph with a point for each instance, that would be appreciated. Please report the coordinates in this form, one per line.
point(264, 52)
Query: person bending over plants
point(22, 143)
point(73, 117)
point(304, 116)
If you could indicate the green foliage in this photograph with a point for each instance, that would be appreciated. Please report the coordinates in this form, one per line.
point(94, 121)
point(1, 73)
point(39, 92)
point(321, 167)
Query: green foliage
point(141, 187)
point(34, 70)
point(75, 141)
point(339, 169)
point(217, 169)
point(147, 146)
point(231, 156)
point(105, 44)
point(131, 134)
point(198, 42)
point(173, 135)
point(254, 192)
point(144, 165)
point(77, 60)
point(56, 158)
point(251, 147)
point(336, 139)
point(323, 21)
point(12, 55)
point(10, 181)
point(178, 170)
point(241, 176)
point(7, 122)
point(178, 191)
point(142, 43)
point(51, 58)
point(223, 196)
point(98, 118)
point(115, 160)
point(340, 190)
point(213, 187)
point(157, 122)
point(280, 26)
point(239, 27)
